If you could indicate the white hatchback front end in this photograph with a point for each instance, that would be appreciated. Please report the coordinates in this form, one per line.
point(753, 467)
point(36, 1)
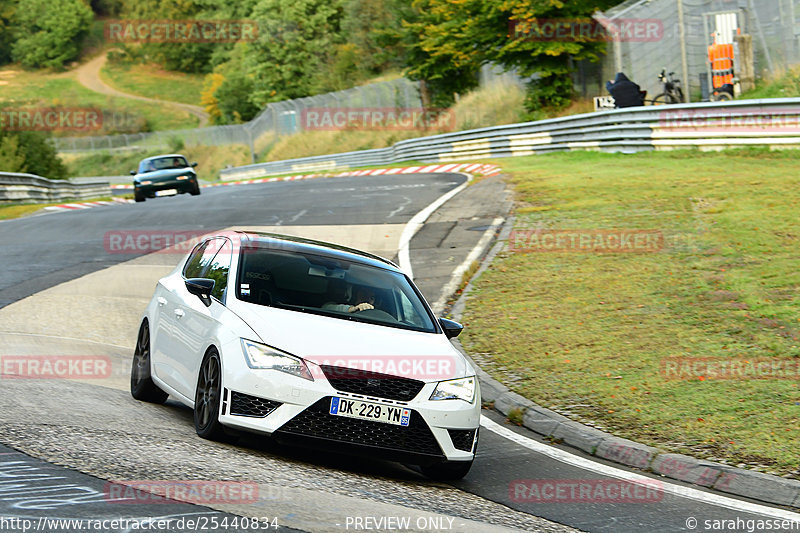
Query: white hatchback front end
point(275, 352)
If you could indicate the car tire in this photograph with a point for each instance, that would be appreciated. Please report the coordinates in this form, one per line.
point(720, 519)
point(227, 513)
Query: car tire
point(139, 197)
point(195, 191)
point(447, 471)
point(142, 386)
point(207, 398)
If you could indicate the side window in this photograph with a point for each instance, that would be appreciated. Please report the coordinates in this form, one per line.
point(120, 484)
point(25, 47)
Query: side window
point(201, 257)
point(192, 268)
point(410, 314)
point(219, 267)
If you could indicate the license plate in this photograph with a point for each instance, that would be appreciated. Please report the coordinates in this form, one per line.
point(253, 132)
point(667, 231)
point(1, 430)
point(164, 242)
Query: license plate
point(167, 192)
point(388, 414)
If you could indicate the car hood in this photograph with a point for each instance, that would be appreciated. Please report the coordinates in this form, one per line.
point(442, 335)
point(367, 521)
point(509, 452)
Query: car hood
point(167, 173)
point(344, 343)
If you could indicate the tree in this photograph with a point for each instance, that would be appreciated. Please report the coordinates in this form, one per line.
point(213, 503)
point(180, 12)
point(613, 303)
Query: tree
point(41, 157)
point(294, 43)
point(180, 56)
point(363, 22)
point(32, 152)
point(233, 95)
point(7, 9)
point(49, 32)
point(107, 7)
point(11, 158)
point(443, 70)
point(448, 41)
point(209, 99)
point(188, 56)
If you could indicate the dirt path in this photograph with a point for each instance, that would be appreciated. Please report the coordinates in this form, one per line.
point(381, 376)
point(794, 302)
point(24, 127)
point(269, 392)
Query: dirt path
point(88, 75)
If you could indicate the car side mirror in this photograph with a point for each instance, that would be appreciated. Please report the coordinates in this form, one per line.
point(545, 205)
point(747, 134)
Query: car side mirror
point(194, 164)
point(451, 328)
point(133, 172)
point(201, 287)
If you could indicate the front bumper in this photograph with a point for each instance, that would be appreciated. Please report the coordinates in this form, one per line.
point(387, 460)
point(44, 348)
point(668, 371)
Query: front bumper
point(182, 186)
point(295, 410)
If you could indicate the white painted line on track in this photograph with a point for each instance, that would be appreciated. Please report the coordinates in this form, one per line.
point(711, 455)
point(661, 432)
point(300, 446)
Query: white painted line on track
point(89, 341)
point(606, 470)
point(458, 273)
point(413, 225)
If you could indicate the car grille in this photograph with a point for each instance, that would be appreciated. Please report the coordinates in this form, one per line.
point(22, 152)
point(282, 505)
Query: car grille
point(246, 405)
point(462, 438)
point(373, 384)
point(316, 421)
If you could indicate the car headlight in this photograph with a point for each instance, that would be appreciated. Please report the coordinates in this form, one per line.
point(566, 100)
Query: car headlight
point(455, 389)
point(265, 357)
point(145, 182)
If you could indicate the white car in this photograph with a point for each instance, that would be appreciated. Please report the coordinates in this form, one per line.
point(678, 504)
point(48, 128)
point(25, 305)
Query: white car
point(311, 343)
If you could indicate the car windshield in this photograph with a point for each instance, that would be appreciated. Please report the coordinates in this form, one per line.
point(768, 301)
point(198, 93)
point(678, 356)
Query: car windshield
point(151, 165)
point(332, 287)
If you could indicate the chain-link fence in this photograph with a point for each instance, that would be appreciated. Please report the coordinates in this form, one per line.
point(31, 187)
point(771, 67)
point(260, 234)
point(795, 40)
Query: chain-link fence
point(688, 26)
point(281, 118)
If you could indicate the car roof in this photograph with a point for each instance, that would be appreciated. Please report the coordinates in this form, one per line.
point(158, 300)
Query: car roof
point(326, 249)
point(160, 156)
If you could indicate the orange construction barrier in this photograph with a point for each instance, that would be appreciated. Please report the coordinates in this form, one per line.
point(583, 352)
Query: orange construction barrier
point(721, 58)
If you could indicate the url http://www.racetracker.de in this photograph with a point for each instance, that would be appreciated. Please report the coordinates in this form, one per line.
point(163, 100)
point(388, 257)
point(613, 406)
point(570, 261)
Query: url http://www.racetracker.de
point(197, 523)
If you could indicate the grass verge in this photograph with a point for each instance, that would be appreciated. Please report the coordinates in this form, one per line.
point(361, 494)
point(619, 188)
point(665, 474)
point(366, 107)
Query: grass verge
point(787, 85)
point(210, 160)
point(154, 82)
point(587, 334)
point(9, 211)
point(40, 88)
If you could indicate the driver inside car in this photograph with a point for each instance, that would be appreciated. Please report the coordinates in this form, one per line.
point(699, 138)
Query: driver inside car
point(364, 295)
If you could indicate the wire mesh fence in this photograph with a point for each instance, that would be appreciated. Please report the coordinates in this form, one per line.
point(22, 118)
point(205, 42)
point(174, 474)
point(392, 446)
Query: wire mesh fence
point(771, 23)
point(280, 118)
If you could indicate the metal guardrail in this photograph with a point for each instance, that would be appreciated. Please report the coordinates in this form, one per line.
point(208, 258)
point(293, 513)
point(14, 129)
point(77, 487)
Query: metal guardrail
point(29, 187)
point(773, 123)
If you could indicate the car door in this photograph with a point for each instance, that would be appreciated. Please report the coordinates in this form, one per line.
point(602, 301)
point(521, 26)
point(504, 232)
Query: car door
point(171, 301)
point(161, 325)
point(196, 323)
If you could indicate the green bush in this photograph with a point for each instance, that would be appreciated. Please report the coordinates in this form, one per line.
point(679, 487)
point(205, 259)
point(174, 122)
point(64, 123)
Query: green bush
point(49, 33)
point(234, 99)
point(32, 152)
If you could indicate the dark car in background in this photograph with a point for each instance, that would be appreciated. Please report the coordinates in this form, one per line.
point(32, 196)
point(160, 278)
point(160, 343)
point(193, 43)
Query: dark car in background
point(164, 175)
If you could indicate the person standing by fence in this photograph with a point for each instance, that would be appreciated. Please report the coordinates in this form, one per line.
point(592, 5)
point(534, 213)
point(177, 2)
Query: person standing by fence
point(625, 92)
